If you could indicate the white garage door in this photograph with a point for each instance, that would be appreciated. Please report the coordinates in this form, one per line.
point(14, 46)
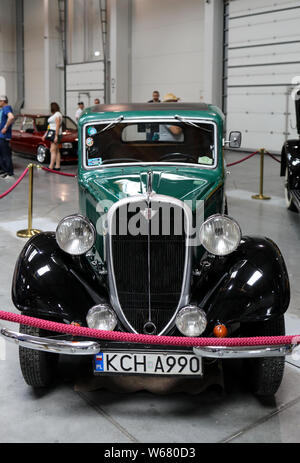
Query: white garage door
point(263, 55)
point(167, 48)
point(85, 82)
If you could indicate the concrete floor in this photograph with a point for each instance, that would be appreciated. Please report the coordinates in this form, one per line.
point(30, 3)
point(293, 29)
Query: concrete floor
point(64, 415)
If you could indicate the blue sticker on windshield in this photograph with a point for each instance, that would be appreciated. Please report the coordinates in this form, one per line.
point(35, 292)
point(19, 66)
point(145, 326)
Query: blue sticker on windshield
point(92, 131)
point(95, 162)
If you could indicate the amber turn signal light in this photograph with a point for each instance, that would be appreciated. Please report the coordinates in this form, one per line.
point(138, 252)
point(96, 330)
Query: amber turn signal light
point(75, 323)
point(220, 331)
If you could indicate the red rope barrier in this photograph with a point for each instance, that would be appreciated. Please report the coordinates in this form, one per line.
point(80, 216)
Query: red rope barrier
point(242, 160)
point(15, 184)
point(144, 338)
point(57, 172)
point(272, 156)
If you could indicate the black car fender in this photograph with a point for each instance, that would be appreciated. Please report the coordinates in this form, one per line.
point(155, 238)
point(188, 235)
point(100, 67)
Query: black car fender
point(52, 284)
point(290, 159)
point(251, 284)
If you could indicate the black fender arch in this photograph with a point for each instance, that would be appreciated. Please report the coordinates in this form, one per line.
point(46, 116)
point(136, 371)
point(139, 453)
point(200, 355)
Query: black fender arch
point(290, 159)
point(249, 285)
point(52, 284)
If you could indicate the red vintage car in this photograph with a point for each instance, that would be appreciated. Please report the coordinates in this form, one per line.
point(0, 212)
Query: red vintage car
point(27, 137)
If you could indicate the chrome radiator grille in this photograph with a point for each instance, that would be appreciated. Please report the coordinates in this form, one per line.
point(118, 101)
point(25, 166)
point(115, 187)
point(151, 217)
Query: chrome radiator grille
point(149, 268)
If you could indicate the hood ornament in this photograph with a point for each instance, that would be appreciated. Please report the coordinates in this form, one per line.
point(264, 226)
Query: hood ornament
point(148, 213)
point(149, 182)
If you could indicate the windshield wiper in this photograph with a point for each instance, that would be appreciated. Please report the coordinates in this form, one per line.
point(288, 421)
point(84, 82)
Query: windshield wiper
point(111, 124)
point(188, 122)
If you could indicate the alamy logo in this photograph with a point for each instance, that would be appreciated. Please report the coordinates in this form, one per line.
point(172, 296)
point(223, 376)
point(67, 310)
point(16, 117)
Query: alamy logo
point(139, 217)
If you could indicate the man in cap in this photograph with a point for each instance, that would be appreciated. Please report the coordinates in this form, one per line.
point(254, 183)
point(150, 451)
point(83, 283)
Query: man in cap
point(6, 120)
point(170, 98)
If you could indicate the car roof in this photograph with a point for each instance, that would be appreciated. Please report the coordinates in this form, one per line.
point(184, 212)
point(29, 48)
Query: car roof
point(32, 115)
point(149, 107)
point(141, 110)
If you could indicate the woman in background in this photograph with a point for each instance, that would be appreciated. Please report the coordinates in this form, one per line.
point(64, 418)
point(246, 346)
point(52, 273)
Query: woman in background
point(55, 125)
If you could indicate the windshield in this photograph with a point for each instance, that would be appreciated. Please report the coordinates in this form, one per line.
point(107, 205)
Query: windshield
point(150, 142)
point(41, 123)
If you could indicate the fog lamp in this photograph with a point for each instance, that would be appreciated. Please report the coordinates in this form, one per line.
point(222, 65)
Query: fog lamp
point(101, 317)
point(191, 320)
point(220, 235)
point(75, 234)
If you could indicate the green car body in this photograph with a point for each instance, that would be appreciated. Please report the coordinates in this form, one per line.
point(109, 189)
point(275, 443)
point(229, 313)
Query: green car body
point(186, 183)
point(163, 154)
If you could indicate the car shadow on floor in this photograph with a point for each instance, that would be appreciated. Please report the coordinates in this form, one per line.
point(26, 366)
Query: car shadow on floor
point(224, 381)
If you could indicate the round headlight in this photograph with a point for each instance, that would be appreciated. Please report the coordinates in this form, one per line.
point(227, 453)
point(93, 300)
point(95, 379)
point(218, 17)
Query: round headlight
point(191, 320)
point(101, 317)
point(75, 235)
point(220, 235)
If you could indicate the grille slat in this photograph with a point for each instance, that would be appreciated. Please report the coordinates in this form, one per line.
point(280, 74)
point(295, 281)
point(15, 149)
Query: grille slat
point(130, 263)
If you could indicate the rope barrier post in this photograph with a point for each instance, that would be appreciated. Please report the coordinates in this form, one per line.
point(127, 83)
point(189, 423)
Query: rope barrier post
point(261, 180)
point(29, 231)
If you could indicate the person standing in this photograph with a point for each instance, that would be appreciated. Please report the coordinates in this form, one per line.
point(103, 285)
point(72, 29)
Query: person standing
point(96, 101)
point(155, 97)
point(55, 126)
point(6, 120)
point(79, 111)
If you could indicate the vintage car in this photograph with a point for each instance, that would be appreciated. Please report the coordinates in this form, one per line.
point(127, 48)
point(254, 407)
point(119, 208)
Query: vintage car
point(27, 138)
point(290, 165)
point(152, 252)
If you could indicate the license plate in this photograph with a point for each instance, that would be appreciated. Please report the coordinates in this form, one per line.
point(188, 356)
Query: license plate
point(148, 363)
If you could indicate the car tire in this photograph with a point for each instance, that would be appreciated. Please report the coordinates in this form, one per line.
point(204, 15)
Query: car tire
point(42, 154)
point(264, 375)
point(288, 198)
point(39, 368)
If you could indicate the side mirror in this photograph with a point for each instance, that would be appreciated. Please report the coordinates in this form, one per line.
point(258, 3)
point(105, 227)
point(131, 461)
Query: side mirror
point(235, 139)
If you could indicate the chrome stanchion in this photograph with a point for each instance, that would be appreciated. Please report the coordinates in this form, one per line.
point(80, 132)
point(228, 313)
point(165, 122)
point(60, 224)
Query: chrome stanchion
point(261, 180)
point(29, 232)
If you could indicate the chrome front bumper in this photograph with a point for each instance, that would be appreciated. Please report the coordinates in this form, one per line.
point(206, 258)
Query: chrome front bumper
point(56, 346)
point(244, 351)
point(59, 346)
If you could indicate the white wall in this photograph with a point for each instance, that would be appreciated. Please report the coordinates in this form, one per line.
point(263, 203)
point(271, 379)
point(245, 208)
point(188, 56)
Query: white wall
point(85, 82)
point(167, 48)
point(263, 56)
point(42, 55)
point(54, 55)
point(8, 62)
point(212, 64)
point(34, 64)
point(84, 31)
point(120, 50)
point(85, 69)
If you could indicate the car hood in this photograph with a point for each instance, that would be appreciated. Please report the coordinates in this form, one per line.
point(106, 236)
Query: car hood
point(69, 136)
point(184, 183)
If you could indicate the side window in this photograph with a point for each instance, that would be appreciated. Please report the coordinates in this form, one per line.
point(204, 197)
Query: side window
point(28, 124)
point(41, 124)
point(17, 125)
